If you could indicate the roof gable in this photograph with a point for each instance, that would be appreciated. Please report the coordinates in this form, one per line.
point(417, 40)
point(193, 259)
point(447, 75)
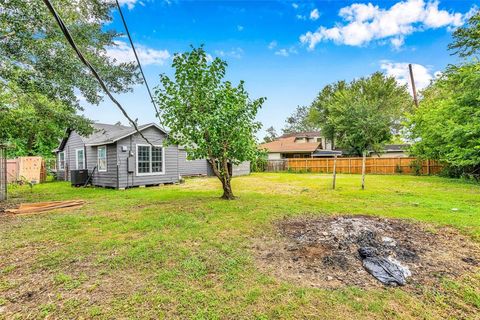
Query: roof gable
point(108, 133)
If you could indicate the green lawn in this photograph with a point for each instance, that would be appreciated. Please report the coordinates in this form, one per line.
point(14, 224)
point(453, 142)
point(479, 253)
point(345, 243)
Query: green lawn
point(181, 252)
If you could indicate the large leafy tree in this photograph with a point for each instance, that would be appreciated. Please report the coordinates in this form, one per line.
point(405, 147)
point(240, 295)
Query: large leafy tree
point(41, 78)
point(363, 114)
point(299, 121)
point(446, 126)
point(319, 110)
point(211, 117)
point(271, 135)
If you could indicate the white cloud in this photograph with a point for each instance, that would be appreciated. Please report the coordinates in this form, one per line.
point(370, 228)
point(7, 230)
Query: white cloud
point(399, 70)
point(397, 43)
point(286, 52)
point(300, 17)
point(295, 5)
point(364, 23)
point(272, 44)
point(236, 53)
point(282, 52)
point(122, 52)
point(129, 3)
point(240, 28)
point(314, 14)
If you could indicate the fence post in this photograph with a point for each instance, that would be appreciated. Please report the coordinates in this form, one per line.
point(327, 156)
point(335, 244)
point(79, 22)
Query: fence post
point(349, 165)
point(334, 171)
point(428, 166)
point(364, 159)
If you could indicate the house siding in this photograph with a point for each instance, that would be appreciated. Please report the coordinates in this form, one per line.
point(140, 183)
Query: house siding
point(202, 167)
point(117, 175)
point(74, 142)
point(156, 137)
point(192, 167)
point(105, 178)
point(242, 169)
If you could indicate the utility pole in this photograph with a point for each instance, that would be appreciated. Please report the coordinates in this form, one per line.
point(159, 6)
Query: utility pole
point(412, 80)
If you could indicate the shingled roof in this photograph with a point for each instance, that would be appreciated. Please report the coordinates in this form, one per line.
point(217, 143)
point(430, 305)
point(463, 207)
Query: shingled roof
point(108, 133)
point(304, 134)
point(288, 144)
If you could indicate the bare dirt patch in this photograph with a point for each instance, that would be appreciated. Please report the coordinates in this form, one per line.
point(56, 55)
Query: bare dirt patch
point(323, 252)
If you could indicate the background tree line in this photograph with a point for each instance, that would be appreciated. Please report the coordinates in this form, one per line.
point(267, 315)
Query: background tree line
point(41, 78)
point(367, 113)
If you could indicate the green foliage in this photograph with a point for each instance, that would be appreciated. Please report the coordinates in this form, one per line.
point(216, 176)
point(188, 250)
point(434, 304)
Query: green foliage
point(33, 123)
point(467, 39)
point(446, 125)
point(271, 135)
point(210, 117)
point(416, 167)
point(41, 76)
point(398, 169)
point(299, 121)
point(259, 163)
point(120, 234)
point(363, 114)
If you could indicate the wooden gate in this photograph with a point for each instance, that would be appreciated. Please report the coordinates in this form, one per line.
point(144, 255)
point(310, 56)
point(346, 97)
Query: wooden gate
point(29, 169)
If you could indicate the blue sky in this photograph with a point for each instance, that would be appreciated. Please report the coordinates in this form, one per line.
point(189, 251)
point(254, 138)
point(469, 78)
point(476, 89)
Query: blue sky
point(286, 50)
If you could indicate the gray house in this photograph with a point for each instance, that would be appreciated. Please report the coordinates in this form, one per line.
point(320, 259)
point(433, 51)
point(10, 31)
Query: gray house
point(117, 156)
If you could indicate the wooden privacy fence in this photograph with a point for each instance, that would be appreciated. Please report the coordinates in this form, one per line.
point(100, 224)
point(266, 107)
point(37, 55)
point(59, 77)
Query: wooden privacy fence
point(354, 165)
point(31, 169)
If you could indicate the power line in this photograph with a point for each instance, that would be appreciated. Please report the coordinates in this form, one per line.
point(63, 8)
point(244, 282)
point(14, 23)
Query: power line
point(157, 112)
point(138, 60)
point(72, 43)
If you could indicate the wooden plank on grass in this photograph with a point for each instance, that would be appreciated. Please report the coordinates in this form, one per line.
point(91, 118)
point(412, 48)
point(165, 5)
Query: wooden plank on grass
point(45, 206)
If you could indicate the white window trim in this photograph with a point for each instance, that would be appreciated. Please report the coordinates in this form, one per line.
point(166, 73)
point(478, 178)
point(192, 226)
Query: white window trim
point(59, 167)
point(76, 158)
point(106, 159)
point(150, 161)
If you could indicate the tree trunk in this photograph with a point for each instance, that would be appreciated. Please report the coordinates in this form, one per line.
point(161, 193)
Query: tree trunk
point(227, 190)
point(224, 177)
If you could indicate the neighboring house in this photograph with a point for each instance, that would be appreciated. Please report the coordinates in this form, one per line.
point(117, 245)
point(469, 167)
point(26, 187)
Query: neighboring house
point(299, 145)
point(117, 156)
point(393, 151)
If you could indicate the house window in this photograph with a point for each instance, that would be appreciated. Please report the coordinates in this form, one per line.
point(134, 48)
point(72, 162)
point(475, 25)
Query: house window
point(150, 160)
point(61, 161)
point(80, 158)
point(102, 158)
point(143, 159)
